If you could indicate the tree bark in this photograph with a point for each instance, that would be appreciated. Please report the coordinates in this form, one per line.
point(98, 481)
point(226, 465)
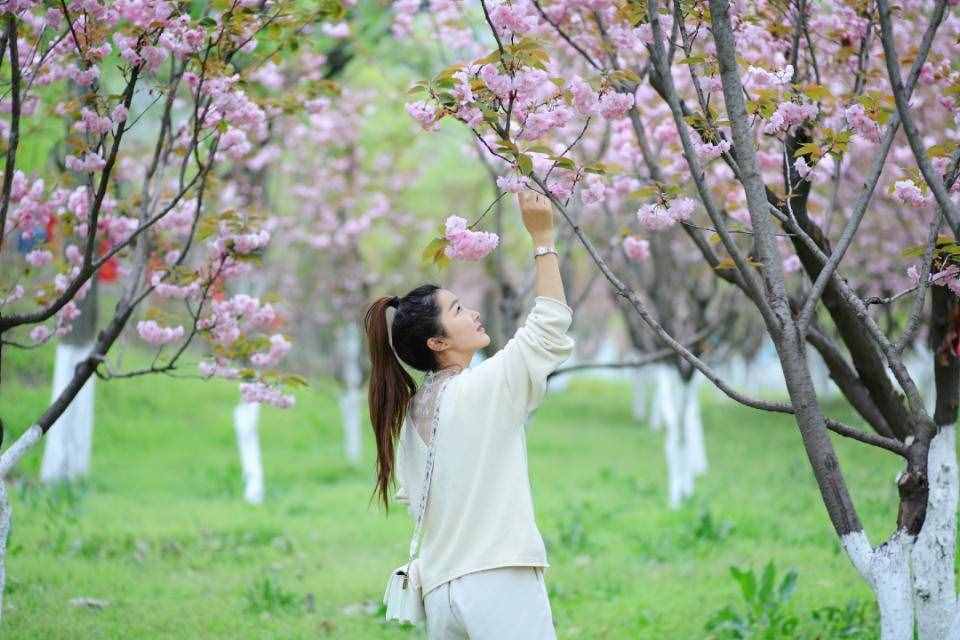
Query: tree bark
point(66, 453)
point(350, 396)
point(246, 415)
point(934, 553)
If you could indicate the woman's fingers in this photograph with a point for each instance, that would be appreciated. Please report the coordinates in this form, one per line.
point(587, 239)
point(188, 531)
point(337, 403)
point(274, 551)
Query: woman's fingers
point(530, 200)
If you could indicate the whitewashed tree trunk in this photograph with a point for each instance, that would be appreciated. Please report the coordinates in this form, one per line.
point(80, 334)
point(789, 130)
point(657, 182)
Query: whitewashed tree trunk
point(27, 440)
point(934, 553)
point(66, 454)
point(887, 570)
point(913, 578)
point(677, 409)
point(659, 394)
point(245, 418)
point(641, 394)
point(4, 534)
point(693, 426)
point(350, 396)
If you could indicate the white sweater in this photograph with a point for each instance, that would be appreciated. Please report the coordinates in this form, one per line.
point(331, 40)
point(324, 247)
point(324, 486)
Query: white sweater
point(480, 510)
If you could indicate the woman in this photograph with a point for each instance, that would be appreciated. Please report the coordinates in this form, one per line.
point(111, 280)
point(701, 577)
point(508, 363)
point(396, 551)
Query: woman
point(482, 556)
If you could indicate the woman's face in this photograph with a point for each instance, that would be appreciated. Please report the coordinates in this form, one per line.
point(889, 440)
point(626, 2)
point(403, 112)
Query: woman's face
point(464, 331)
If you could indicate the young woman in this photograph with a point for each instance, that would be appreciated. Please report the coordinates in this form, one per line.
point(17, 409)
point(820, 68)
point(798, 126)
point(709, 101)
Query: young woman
point(481, 555)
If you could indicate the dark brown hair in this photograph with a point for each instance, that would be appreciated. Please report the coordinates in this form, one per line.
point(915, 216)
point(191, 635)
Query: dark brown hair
point(417, 319)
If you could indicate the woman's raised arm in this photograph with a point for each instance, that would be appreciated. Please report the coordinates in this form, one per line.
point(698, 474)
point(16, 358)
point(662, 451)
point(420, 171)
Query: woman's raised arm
point(537, 214)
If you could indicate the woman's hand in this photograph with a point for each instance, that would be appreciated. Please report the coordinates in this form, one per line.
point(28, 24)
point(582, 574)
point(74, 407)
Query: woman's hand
point(537, 213)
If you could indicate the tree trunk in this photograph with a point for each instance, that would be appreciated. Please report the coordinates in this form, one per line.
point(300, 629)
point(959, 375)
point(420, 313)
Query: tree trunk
point(8, 460)
point(5, 513)
point(245, 418)
point(887, 570)
point(693, 426)
point(66, 454)
point(350, 395)
point(678, 410)
point(658, 397)
point(934, 553)
point(642, 392)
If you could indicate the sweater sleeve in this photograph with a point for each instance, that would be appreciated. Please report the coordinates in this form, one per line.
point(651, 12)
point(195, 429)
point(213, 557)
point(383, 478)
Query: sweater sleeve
point(536, 350)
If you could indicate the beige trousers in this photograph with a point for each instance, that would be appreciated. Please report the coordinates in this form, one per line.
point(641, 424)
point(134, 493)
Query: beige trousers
point(508, 603)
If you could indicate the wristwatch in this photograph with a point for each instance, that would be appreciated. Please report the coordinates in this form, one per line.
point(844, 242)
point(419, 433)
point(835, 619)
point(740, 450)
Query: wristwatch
point(543, 250)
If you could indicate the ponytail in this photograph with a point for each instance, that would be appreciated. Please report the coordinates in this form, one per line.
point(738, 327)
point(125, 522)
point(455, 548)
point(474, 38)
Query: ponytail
point(391, 389)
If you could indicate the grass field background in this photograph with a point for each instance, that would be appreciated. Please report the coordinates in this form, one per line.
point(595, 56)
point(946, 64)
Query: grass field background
point(160, 531)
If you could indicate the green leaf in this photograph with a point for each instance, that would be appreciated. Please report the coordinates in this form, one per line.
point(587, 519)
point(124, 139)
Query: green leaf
point(434, 253)
point(294, 380)
point(539, 148)
point(449, 71)
point(788, 585)
point(697, 58)
point(647, 191)
point(746, 580)
point(808, 149)
point(766, 582)
point(563, 162)
point(420, 87)
point(489, 58)
point(207, 21)
point(816, 92)
point(942, 150)
point(525, 164)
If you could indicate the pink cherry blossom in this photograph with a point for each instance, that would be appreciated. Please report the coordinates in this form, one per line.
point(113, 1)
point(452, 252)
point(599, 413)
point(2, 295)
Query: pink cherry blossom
point(512, 183)
point(803, 169)
point(157, 335)
point(260, 392)
point(40, 333)
point(858, 119)
point(615, 105)
point(39, 257)
point(637, 249)
point(594, 190)
point(465, 244)
point(425, 113)
point(509, 18)
point(788, 115)
point(585, 99)
point(278, 348)
point(908, 193)
point(682, 208)
point(90, 163)
point(655, 217)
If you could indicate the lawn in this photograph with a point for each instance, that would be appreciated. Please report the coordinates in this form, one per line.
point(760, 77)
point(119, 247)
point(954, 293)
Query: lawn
point(160, 532)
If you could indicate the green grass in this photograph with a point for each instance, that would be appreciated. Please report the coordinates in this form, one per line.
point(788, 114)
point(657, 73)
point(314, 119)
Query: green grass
point(160, 530)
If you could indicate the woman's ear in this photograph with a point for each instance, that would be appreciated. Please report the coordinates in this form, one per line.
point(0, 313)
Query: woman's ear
point(438, 344)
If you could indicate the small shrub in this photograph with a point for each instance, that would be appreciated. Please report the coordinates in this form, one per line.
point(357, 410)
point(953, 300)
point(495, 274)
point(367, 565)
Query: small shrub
point(266, 595)
point(856, 621)
point(708, 529)
point(764, 616)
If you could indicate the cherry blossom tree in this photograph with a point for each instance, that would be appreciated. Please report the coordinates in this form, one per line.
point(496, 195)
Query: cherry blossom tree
point(158, 114)
point(767, 133)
